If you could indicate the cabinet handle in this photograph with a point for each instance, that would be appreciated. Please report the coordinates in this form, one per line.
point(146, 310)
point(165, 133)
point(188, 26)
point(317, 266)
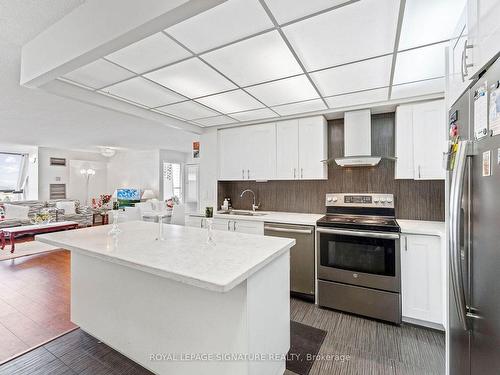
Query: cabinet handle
point(201, 223)
point(294, 173)
point(301, 172)
point(243, 174)
point(248, 174)
point(234, 226)
point(419, 174)
point(228, 224)
point(406, 243)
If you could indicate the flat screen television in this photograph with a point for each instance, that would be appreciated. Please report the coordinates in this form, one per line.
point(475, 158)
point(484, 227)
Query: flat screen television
point(127, 197)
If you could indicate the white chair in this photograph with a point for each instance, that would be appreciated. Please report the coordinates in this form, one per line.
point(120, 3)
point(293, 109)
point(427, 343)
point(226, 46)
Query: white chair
point(178, 215)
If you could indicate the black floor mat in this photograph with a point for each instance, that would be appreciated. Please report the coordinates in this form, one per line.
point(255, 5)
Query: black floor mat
point(305, 344)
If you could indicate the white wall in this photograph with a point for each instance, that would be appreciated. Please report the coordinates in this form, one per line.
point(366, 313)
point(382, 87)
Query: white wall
point(97, 184)
point(208, 169)
point(31, 189)
point(135, 169)
point(49, 174)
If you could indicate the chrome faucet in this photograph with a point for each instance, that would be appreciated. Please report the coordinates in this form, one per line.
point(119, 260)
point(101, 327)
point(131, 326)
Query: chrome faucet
point(254, 205)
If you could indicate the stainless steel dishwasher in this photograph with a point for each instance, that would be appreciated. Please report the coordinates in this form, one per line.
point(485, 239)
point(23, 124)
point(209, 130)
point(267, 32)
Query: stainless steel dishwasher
point(302, 279)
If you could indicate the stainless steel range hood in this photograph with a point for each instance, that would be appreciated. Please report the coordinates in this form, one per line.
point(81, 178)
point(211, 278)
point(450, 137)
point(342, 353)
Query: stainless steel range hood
point(358, 140)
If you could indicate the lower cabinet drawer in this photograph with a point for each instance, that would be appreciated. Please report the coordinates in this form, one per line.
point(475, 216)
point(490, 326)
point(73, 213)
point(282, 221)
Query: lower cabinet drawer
point(358, 300)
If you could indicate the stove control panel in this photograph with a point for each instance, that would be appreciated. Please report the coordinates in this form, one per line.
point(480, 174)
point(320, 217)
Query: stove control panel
point(360, 200)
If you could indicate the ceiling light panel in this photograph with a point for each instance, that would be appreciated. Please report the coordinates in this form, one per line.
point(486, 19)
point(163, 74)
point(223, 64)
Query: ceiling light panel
point(188, 110)
point(191, 78)
point(353, 32)
point(233, 101)
point(431, 86)
point(150, 53)
point(419, 64)
point(214, 121)
point(286, 10)
point(358, 98)
point(254, 115)
point(255, 60)
point(438, 16)
point(364, 75)
point(225, 23)
point(144, 92)
point(302, 107)
point(98, 74)
point(287, 90)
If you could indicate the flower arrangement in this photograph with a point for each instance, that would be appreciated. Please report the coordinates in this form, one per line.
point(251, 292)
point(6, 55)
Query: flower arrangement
point(41, 218)
point(101, 202)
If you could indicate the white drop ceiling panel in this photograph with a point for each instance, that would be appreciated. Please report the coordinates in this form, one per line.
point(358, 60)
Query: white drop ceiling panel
point(188, 110)
point(286, 10)
point(255, 60)
point(429, 21)
point(225, 23)
point(354, 32)
point(191, 78)
point(419, 64)
point(302, 107)
point(144, 92)
point(364, 75)
point(408, 90)
point(284, 91)
point(358, 98)
point(232, 101)
point(254, 115)
point(213, 121)
point(150, 53)
point(98, 74)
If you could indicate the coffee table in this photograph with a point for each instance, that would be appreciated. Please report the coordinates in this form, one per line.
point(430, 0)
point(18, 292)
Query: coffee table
point(14, 232)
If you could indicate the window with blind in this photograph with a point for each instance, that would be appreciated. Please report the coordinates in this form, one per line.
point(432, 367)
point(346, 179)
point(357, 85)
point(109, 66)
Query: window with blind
point(11, 171)
point(172, 181)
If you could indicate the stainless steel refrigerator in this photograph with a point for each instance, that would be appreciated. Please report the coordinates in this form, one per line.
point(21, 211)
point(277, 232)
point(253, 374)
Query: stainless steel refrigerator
point(474, 232)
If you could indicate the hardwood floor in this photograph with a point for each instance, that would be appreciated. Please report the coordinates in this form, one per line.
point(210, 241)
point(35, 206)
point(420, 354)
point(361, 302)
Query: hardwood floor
point(373, 347)
point(34, 301)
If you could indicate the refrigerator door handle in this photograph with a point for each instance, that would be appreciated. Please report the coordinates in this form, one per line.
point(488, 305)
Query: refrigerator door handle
point(456, 191)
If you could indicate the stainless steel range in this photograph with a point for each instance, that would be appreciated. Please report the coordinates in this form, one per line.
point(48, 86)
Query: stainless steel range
point(359, 256)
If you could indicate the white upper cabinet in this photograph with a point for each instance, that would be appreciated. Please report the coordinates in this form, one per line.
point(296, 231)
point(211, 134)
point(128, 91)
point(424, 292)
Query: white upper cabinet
point(404, 142)
point(261, 151)
point(313, 148)
point(287, 149)
point(301, 146)
point(483, 33)
point(457, 79)
point(420, 140)
point(247, 153)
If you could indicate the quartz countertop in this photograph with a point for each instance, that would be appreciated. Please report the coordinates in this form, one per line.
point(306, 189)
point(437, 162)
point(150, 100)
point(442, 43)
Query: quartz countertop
point(185, 256)
point(431, 228)
point(273, 217)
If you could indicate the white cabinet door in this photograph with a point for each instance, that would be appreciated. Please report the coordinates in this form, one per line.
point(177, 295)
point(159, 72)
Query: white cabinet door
point(232, 154)
point(404, 142)
point(429, 140)
point(457, 80)
point(287, 150)
point(220, 224)
point(313, 148)
point(195, 221)
point(260, 155)
point(483, 33)
point(422, 278)
point(247, 226)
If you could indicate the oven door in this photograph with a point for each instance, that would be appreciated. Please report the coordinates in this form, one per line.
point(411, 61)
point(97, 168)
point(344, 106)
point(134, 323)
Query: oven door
point(369, 259)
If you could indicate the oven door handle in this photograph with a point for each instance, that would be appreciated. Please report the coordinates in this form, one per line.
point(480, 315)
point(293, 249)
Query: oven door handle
point(359, 233)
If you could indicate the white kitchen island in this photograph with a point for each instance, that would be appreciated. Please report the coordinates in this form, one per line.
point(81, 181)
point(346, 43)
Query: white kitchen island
point(182, 306)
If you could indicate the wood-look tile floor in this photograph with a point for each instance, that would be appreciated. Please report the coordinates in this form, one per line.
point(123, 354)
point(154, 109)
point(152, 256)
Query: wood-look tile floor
point(34, 301)
point(374, 347)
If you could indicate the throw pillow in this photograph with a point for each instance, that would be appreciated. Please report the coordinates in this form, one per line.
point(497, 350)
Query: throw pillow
point(14, 211)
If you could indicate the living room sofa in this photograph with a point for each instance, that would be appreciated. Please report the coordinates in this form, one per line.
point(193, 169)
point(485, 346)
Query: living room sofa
point(82, 215)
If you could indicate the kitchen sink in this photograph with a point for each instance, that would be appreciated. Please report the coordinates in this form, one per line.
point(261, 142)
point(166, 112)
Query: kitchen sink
point(241, 213)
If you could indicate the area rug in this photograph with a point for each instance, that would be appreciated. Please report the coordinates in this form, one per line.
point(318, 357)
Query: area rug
point(305, 344)
point(24, 249)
